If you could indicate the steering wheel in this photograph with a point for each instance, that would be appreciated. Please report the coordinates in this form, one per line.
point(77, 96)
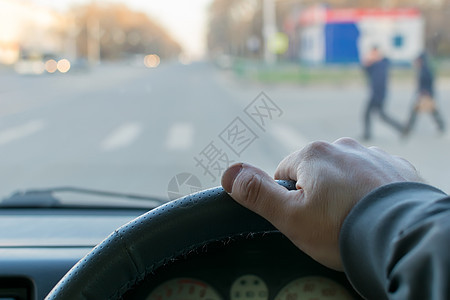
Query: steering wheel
point(144, 244)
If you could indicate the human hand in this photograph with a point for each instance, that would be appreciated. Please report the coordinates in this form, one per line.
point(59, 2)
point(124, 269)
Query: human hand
point(330, 179)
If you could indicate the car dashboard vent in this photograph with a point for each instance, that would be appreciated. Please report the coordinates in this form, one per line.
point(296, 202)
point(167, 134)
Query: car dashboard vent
point(16, 288)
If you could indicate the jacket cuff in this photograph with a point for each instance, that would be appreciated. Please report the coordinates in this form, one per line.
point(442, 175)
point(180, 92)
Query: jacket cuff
point(368, 233)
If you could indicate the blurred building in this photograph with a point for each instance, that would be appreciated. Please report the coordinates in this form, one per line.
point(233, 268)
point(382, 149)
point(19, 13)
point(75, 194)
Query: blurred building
point(345, 35)
point(29, 29)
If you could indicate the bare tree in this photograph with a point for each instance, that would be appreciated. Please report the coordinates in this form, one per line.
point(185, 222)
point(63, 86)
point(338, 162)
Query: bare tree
point(121, 32)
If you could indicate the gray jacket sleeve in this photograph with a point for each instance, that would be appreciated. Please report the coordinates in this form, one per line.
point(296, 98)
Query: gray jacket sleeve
point(395, 243)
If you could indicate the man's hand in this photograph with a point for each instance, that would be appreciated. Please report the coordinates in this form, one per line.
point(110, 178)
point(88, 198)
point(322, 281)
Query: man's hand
point(330, 180)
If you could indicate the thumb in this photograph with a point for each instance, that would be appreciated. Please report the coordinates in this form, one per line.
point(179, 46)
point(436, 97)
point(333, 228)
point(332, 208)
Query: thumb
point(257, 191)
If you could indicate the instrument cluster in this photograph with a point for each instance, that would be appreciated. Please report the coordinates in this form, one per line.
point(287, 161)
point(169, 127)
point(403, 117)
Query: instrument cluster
point(251, 287)
point(260, 267)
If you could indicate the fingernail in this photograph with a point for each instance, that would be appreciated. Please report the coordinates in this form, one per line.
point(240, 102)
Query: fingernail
point(229, 176)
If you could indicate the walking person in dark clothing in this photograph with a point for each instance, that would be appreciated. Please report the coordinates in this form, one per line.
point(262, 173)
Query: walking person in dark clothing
point(425, 95)
point(377, 70)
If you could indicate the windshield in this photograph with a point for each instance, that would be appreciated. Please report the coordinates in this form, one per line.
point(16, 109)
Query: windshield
point(160, 97)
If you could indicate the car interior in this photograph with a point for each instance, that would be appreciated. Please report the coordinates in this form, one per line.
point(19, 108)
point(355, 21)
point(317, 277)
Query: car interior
point(119, 117)
point(202, 246)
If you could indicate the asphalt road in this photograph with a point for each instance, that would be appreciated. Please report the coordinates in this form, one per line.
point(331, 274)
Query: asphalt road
point(130, 129)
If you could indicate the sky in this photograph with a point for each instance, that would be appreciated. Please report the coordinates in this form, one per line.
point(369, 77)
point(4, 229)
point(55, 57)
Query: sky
point(185, 20)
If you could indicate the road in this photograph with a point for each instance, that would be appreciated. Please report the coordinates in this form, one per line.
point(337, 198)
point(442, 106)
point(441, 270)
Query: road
point(130, 129)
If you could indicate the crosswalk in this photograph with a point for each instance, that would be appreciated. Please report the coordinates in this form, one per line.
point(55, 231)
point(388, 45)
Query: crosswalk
point(178, 137)
point(21, 131)
point(290, 138)
point(35, 143)
point(121, 137)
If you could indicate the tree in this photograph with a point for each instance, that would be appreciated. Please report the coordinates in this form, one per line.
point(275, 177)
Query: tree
point(121, 32)
point(231, 24)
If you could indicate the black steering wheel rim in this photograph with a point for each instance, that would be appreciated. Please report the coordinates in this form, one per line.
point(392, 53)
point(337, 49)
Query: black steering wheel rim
point(144, 244)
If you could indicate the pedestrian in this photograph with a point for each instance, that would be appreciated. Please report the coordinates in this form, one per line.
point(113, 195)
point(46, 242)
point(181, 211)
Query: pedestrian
point(376, 67)
point(359, 210)
point(425, 99)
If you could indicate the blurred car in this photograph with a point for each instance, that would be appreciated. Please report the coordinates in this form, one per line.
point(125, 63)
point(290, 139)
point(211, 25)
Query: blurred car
point(30, 65)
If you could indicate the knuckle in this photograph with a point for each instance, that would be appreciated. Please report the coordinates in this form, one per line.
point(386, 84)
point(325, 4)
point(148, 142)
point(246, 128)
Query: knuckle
point(375, 148)
point(251, 189)
point(405, 162)
point(346, 141)
point(318, 147)
point(379, 153)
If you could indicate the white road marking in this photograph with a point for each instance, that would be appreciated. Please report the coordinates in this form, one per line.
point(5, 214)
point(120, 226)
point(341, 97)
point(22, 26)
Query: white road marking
point(180, 136)
point(123, 136)
point(21, 131)
point(289, 137)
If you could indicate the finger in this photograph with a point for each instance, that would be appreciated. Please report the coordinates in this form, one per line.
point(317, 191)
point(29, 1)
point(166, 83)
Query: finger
point(298, 163)
point(287, 168)
point(257, 191)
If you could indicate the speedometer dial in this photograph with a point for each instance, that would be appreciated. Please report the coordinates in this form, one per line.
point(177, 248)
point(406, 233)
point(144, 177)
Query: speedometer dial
point(313, 287)
point(184, 289)
point(249, 287)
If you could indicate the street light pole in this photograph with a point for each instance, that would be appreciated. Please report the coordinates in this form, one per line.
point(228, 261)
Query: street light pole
point(93, 34)
point(93, 40)
point(269, 29)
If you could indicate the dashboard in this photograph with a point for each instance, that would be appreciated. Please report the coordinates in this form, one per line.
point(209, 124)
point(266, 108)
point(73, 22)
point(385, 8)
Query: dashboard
point(39, 246)
point(260, 267)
